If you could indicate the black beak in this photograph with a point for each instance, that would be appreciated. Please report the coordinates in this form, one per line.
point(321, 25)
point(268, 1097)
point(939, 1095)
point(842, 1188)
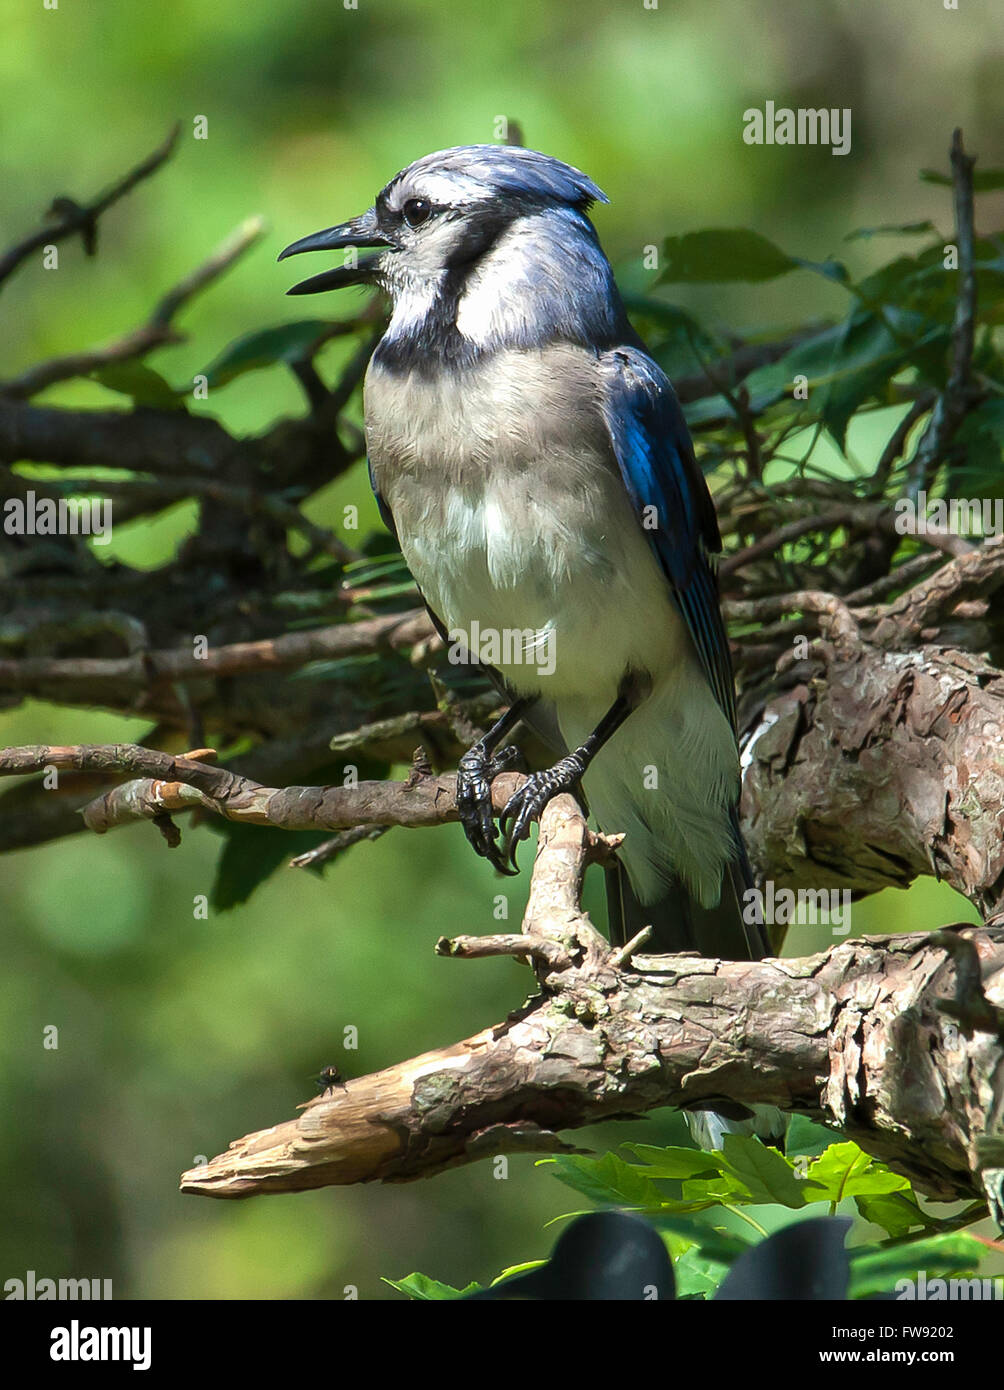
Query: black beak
point(361, 231)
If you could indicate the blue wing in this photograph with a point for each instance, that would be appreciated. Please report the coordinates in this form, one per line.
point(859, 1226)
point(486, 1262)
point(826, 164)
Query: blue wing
point(652, 446)
point(382, 507)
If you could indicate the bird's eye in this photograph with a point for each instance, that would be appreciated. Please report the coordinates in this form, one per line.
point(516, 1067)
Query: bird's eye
point(416, 211)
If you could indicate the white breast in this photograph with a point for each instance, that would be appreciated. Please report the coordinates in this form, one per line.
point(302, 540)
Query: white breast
point(512, 516)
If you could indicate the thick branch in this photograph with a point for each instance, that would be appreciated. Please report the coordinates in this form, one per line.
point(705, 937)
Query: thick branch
point(169, 783)
point(855, 1037)
point(891, 768)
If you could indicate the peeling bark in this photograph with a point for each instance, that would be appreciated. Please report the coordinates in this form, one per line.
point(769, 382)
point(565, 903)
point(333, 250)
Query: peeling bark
point(891, 767)
point(855, 1037)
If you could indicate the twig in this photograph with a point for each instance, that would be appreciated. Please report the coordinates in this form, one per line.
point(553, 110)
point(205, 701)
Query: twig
point(866, 516)
point(82, 218)
point(524, 945)
point(600, 1044)
point(832, 611)
point(157, 492)
point(897, 440)
point(839, 515)
point(623, 954)
point(895, 579)
point(323, 854)
point(292, 649)
point(950, 407)
point(975, 575)
point(155, 332)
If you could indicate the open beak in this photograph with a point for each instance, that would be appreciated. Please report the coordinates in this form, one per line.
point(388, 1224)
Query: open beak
point(361, 231)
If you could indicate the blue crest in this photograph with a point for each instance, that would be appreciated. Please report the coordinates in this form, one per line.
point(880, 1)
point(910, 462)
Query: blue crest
point(512, 170)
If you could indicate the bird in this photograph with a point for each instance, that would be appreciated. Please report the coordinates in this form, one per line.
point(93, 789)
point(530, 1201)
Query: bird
point(535, 466)
point(533, 462)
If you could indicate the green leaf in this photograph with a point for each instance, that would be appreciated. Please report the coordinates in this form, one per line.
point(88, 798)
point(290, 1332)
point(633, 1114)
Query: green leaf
point(511, 1271)
point(806, 1138)
point(608, 1180)
point(766, 1174)
point(843, 365)
point(720, 254)
point(979, 472)
point(285, 343)
point(844, 1170)
point(984, 180)
point(701, 1197)
point(891, 229)
point(673, 1162)
point(675, 339)
point(716, 1242)
point(697, 1274)
point(865, 357)
point(868, 357)
point(920, 284)
point(428, 1290)
point(141, 383)
point(879, 1271)
point(250, 854)
point(896, 1212)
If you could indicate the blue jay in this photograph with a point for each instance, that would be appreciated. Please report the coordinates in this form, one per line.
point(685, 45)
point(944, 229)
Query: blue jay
point(535, 466)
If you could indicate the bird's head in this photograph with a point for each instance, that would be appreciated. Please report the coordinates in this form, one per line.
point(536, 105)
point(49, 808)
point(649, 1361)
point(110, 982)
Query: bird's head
point(444, 211)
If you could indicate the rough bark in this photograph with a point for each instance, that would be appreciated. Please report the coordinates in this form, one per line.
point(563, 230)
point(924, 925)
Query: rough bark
point(856, 1037)
point(891, 767)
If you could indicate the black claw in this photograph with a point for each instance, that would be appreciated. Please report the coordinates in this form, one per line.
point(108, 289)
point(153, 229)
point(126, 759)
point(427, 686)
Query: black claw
point(475, 775)
point(527, 804)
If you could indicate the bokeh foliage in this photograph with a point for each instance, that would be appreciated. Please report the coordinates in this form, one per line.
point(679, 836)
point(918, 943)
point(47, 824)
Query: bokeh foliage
point(177, 1034)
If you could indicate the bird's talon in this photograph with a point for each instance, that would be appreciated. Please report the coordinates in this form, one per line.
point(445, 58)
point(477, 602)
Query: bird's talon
point(475, 775)
point(527, 804)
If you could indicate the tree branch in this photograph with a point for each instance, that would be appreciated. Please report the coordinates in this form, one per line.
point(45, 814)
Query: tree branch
point(82, 219)
point(950, 407)
point(147, 670)
point(855, 1037)
point(156, 331)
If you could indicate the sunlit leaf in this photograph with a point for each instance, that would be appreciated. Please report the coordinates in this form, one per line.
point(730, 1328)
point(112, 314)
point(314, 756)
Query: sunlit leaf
point(766, 1174)
point(844, 1170)
point(896, 1212)
point(607, 1180)
point(806, 1138)
point(673, 1162)
point(420, 1286)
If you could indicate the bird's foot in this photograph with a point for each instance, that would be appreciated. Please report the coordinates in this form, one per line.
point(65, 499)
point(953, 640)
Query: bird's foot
point(527, 803)
point(475, 774)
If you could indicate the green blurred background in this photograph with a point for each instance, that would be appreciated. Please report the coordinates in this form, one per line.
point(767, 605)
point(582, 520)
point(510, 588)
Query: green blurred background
point(178, 1034)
